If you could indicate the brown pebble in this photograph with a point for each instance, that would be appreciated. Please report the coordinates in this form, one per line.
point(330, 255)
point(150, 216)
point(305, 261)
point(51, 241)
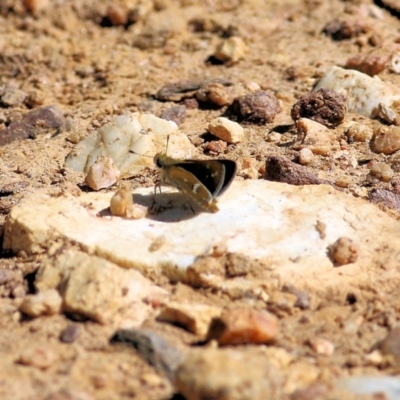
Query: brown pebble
point(341, 30)
point(244, 325)
point(191, 104)
point(216, 146)
point(344, 251)
point(280, 169)
point(324, 106)
point(178, 91)
point(102, 174)
point(117, 15)
point(214, 93)
point(386, 139)
point(385, 197)
point(70, 333)
point(390, 345)
point(39, 121)
point(175, 113)
point(372, 64)
point(259, 107)
point(37, 356)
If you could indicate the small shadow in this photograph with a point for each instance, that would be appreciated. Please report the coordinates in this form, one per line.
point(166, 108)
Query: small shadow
point(164, 207)
point(282, 128)
point(168, 207)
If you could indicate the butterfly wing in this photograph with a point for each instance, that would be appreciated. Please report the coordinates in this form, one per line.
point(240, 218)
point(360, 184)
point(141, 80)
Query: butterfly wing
point(188, 183)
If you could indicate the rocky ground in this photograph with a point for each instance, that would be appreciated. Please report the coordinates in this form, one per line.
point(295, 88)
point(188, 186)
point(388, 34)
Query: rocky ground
point(297, 292)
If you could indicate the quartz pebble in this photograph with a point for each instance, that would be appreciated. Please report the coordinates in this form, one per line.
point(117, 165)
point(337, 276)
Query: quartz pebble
point(231, 50)
point(243, 326)
point(131, 141)
point(317, 137)
point(322, 346)
point(102, 174)
point(47, 302)
point(38, 356)
point(344, 251)
point(386, 139)
point(365, 95)
point(195, 318)
point(324, 106)
point(122, 205)
point(227, 130)
point(306, 156)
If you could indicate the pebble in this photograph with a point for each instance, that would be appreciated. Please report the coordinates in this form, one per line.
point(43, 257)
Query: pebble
point(280, 169)
point(47, 302)
point(196, 318)
point(214, 93)
point(231, 50)
point(382, 171)
point(176, 114)
point(122, 205)
point(385, 197)
point(227, 374)
point(70, 333)
point(365, 95)
point(371, 64)
point(306, 156)
point(342, 30)
point(42, 120)
point(344, 251)
point(243, 326)
point(227, 130)
point(322, 346)
point(259, 107)
point(274, 137)
point(317, 137)
point(35, 6)
point(37, 356)
point(12, 97)
point(216, 146)
point(116, 14)
point(102, 174)
point(357, 132)
point(324, 106)
point(153, 348)
point(386, 139)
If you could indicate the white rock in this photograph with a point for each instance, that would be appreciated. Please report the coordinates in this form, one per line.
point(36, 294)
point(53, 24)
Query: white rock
point(227, 130)
point(131, 141)
point(367, 96)
point(96, 288)
point(256, 218)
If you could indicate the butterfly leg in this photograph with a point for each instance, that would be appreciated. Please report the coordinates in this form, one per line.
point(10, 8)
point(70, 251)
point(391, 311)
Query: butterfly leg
point(153, 206)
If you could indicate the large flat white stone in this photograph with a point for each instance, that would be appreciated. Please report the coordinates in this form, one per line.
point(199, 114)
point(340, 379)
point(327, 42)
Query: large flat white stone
point(273, 222)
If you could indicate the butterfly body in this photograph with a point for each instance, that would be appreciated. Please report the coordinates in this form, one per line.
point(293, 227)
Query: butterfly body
point(201, 180)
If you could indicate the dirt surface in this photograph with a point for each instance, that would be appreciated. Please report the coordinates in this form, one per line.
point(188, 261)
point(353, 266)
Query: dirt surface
point(95, 60)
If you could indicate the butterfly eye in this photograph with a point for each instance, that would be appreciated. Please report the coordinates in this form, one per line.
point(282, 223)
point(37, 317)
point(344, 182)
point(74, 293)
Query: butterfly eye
point(158, 162)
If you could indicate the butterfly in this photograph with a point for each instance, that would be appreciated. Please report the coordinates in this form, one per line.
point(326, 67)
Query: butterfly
point(201, 180)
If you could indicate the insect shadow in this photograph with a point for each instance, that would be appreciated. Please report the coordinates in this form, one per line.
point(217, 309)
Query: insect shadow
point(168, 207)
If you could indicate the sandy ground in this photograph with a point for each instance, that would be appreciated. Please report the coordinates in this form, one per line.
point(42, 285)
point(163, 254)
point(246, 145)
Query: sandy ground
point(95, 60)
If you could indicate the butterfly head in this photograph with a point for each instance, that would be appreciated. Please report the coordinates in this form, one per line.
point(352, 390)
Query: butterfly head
point(159, 160)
